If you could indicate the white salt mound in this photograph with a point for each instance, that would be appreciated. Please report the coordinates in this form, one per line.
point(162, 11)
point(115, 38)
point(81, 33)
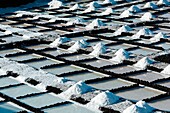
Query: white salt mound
point(55, 4)
point(99, 48)
point(134, 8)
point(103, 99)
point(163, 2)
point(90, 9)
point(75, 7)
point(94, 4)
point(139, 107)
point(143, 63)
point(125, 14)
point(84, 42)
point(158, 36)
point(124, 28)
point(107, 11)
point(120, 56)
point(166, 70)
point(109, 1)
point(143, 31)
point(78, 88)
point(7, 32)
point(150, 5)
point(59, 41)
point(147, 17)
point(95, 23)
point(78, 45)
point(76, 21)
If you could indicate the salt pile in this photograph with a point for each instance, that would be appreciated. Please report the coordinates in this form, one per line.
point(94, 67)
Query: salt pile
point(163, 2)
point(134, 9)
point(109, 1)
point(103, 99)
point(59, 41)
point(139, 107)
point(125, 14)
point(166, 70)
point(143, 31)
point(78, 88)
point(124, 28)
point(84, 42)
point(95, 23)
point(75, 7)
point(143, 63)
point(98, 49)
point(55, 4)
point(147, 17)
point(75, 21)
point(158, 36)
point(150, 5)
point(77, 45)
point(107, 11)
point(90, 9)
point(7, 32)
point(93, 4)
point(120, 56)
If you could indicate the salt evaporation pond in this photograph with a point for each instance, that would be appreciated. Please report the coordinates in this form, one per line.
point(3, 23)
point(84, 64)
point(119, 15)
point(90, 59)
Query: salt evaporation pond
point(164, 45)
point(110, 84)
point(6, 107)
point(37, 47)
point(19, 90)
point(6, 81)
point(42, 100)
point(119, 46)
point(143, 51)
point(165, 83)
point(68, 108)
point(77, 57)
point(8, 51)
point(134, 94)
point(62, 69)
point(10, 39)
point(55, 52)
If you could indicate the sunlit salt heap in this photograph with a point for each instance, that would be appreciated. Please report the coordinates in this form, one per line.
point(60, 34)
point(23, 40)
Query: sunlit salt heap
point(95, 24)
point(90, 9)
point(75, 21)
point(147, 17)
point(143, 31)
point(75, 7)
point(150, 5)
point(7, 32)
point(158, 36)
point(103, 99)
point(55, 4)
point(107, 11)
point(124, 28)
point(98, 49)
point(143, 63)
point(120, 56)
point(59, 41)
point(94, 4)
point(78, 88)
point(109, 1)
point(125, 13)
point(166, 70)
point(135, 9)
point(139, 107)
point(77, 45)
point(163, 2)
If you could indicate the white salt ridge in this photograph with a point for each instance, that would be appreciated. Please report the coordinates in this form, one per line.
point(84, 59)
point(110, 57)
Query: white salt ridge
point(147, 17)
point(143, 63)
point(94, 4)
point(78, 45)
point(76, 21)
point(139, 107)
point(75, 7)
point(166, 71)
point(143, 31)
point(59, 41)
point(120, 56)
point(21, 13)
point(78, 88)
point(55, 4)
point(95, 23)
point(108, 11)
point(150, 5)
point(125, 14)
point(163, 2)
point(44, 16)
point(90, 9)
point(158, 36)
point(124, 28)
point(98, 49)
point(103, 99)
point(135, 9)
point(109, 1)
